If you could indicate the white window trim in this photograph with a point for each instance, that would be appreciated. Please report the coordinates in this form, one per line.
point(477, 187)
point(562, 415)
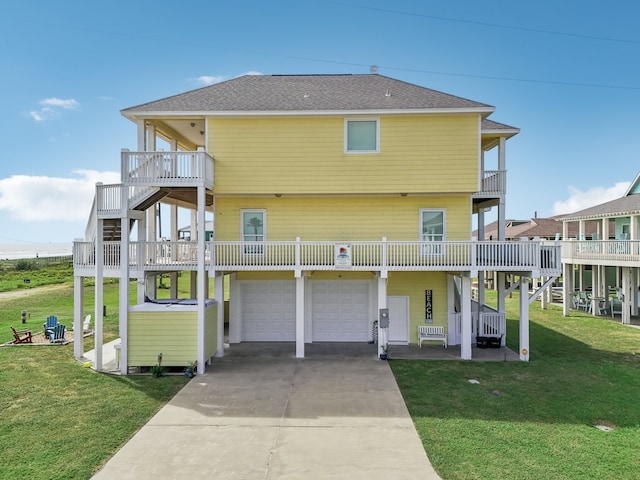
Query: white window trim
point(432, 250)
point(346, 136)
point(251, 250)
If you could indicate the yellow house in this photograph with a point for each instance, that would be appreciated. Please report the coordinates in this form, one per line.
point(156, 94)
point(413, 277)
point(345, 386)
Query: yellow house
point(342, 207)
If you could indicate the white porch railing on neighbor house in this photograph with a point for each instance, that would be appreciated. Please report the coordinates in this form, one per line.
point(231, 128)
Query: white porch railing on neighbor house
point(310, 255)
point(494, 182)
point(167, 168)
point(600, 252)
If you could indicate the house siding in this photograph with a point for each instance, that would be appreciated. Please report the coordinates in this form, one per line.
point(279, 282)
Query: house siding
point(305, 155)
point(174, 334)
point(413, 285)
point(343, 218)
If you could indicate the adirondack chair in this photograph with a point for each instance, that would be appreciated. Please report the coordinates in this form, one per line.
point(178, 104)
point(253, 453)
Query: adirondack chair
point(21, 336)
point(57, 334)
point(49, 325)
point(86, 323)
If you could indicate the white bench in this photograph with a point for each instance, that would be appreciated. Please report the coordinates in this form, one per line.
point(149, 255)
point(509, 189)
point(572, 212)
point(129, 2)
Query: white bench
point(431, 332)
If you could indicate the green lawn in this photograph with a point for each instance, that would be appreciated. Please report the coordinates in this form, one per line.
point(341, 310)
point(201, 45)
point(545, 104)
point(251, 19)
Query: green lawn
point(531, 420)
point(534, 420)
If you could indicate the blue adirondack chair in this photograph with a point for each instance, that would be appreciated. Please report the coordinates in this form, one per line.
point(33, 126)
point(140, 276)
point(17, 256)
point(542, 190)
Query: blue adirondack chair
point(57, 333)
point(49, 325)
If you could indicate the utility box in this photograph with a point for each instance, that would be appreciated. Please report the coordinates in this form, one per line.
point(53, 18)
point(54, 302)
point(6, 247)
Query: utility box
point(384, 318)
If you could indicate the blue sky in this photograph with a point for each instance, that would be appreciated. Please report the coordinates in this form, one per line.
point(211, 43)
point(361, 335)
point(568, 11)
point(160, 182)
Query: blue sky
point(565, 73)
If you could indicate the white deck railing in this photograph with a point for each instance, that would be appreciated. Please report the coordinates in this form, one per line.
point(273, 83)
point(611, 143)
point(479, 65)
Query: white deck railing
point(167, 168)
point(363, 256)
point(610, 252)
point(483, 324)
point(494, 182)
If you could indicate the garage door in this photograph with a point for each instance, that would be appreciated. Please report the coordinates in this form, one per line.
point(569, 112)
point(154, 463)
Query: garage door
point(340, 311)
point(268, 311)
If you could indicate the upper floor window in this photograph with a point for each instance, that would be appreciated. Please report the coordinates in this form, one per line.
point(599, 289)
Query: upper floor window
point(432, 229)
point(253, 230)
point(362, 136)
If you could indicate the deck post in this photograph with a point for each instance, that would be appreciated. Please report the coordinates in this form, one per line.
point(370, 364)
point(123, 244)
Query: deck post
point(300, 284)
point(382, 303)
point(567, 288)
point(201, 280)
point(123, 303)
point(524, 319)
point(219, 296)
point(465, 306)
point(78, 310)
point(99, 294)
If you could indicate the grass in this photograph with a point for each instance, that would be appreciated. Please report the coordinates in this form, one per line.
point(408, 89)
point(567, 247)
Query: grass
point(523, 420)
point(534, 420)
point(57, 416)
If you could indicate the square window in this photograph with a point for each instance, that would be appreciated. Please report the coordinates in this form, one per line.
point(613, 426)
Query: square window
point(361, 136)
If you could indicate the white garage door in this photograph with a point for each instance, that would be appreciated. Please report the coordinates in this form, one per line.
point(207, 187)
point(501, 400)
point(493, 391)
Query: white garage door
point(268, 311)
point(340, 311)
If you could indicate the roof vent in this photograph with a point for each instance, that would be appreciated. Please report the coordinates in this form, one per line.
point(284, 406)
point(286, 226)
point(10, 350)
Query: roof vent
point(388, 94)
point(373, 69)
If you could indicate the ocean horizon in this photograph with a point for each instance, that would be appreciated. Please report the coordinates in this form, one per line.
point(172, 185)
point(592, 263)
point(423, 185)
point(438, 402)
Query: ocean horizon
point(16, 251)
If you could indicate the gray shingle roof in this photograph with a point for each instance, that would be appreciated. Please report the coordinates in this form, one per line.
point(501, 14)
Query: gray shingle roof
point(627, 205)
point(268, 93)
point(491, 125)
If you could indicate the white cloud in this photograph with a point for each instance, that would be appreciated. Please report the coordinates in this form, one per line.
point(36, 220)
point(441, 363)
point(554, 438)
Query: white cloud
point(205, 80)
point(51, 108)
point(41, 199)
point(581, 199)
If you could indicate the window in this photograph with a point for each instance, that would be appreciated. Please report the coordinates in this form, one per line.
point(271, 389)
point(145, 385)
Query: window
point(432, 229)
point(253, 228)
point(361, 136)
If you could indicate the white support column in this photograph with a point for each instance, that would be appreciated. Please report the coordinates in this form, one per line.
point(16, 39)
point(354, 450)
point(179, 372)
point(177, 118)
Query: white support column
point(626, 291)
point(524, 319)
point(173, 277)
point(219, 296)
point(202, 279)
point(567, 288)
point(141, 282)
point(481, 273)
point(123, 286)
point(99, 295)
point(78, 313)
point(544, 297)
point(501, 285)
point(465, 306)
point(194, 236)
point(300, 284)
point(382, 303)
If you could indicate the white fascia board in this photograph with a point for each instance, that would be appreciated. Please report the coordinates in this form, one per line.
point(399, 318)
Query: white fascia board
point(261, 113)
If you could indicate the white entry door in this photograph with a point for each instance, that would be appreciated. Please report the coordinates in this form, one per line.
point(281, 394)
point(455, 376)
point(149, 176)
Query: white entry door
point(398, 320)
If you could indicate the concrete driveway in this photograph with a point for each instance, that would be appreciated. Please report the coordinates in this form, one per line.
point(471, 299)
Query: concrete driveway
point(280, 418)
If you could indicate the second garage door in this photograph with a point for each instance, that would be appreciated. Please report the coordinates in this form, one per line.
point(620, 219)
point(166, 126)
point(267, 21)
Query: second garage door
point(268, 311)
point(340, 311)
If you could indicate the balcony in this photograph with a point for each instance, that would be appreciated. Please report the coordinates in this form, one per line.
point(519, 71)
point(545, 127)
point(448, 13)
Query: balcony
point(377, 256)
point(170, 169)
point(623, 253)
point(494, 184)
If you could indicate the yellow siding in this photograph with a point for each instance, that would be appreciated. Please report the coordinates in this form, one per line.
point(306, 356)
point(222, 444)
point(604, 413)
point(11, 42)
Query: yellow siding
point(174, 334)
point(413, 284)
point(211, 331)
point(305, 155)
point(350, 218)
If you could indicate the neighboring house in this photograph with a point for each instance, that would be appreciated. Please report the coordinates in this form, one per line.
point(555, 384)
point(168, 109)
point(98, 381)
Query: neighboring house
point(608, 264)
point(538, 228)
point(185, 233)
point(334, 198)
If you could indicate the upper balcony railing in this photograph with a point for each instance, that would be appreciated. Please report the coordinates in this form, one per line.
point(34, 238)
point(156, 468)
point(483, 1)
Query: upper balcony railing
point(378, 256)
point(494, 183)
point(167, 169)
point(602, 252)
